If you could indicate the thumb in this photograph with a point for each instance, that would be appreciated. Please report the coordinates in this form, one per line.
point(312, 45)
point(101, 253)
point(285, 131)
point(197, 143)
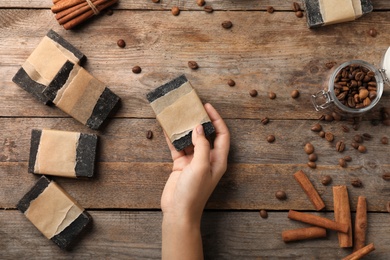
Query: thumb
point(201, 147)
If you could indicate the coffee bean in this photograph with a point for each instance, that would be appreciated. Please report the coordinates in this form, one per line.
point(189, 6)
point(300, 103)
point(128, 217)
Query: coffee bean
point(340, 146)
point(372, 32)
point(329, 136)
point(312, 165)
point(330, 65)
point(357, 183)
point(271, 95)
point(136, 69)
point(367, 136)
point(231, 83)
point(356, 126)
point(309, 148)
point(295, 93)
point(200, 2)
point(149, 134)
point(316, 128)
point(384, 140)
point(345, 128)
point(321, 118)
point(193, 65)
point(265, 120)
point(208, 9)
point(386, 176)
point(326, 180)
point(328, 118)
point(270, 138)
point(175, 11)
point(355, 145)
point(227, 24)
point(155, 1)
point(362, 148)
point(342, 162)
point(253, 93)
point(263, 213)
point(121, 43)
point(348, 158)
point(270, 9)
point(296, 7)
point(358, 138)
point(281, 195)
point(312, 157)
point(299, 14)
point(321, 134)
point(336, 116)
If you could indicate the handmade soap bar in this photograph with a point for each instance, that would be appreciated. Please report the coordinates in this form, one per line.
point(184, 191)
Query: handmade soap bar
point(178, 110)
point(53, 56)
point(61, 153)
point(82, 96)
point(325, 12)
point(54, 212)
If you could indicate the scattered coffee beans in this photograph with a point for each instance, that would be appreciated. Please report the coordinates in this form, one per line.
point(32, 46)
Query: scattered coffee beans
point(136, 69)
point(329, 136)
point(175, 10)
point(253, 93)
point(316, 128)
point(342, 162)
point(155, 1)
point(121, 43)
point(312, 165)
point(263, 213)
point(227, 24)
point(231, 83)
point(193, 65)
point(296, 7)
point(270, 9)
point(328, 118)
point(330, 64)
point(309, 148)
point(312, 157)
point(372, 32)
point(208, 9)
point(345, 128)
point(281, 195)
point(336, 116)
point(357, 183)
point(265, 120)
point(321, 118)
point(299, 14)
point(321, 134)
point(366, 136)
point(354, 85)
point(200, 2)
point(358, 138)
point(271, 95)
point(149, 134)
point(384, 140)
point(355, 145)
point(340, 146)
point(326, 180)
point(295, 93)
point(386, 176)
point(270, 138)
point(362, 148)
point(348, 158)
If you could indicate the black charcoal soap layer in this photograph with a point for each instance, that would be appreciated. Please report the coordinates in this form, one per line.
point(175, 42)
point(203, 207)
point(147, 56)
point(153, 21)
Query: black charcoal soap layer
point(106, 103)
point(31, 195)
point(166, 88)
point(186, 140)
point(313, 13)
point(34, 145)
point(85, 155)
point(59, 80)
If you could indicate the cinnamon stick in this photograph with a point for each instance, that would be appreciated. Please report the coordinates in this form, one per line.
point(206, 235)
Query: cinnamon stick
point(309, 189)
point(65, 12)
point(303, 233)
point(77, 10)
point(360, 253)
point(65, 4)
point(360, 224)
point(342, 214)
point(318, 221)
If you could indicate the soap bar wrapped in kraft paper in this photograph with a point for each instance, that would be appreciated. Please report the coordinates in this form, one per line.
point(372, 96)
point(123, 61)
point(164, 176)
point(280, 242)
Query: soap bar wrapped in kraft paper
point(51, 57)
point(62, 153)
point(178, 109)
point(325, 12)
point(54, 213)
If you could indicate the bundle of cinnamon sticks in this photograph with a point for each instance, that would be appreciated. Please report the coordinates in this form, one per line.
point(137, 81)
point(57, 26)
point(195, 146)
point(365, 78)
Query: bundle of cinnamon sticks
point(70, 13)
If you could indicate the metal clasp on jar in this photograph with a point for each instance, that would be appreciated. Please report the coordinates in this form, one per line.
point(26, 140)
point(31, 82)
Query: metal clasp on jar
point(325, 97)
point(384, 77)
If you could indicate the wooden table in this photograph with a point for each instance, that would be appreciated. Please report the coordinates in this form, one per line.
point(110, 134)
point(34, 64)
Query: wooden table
point(263, 51)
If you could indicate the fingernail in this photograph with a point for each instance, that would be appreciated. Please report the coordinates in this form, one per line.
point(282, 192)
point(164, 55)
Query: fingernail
point(199, 129)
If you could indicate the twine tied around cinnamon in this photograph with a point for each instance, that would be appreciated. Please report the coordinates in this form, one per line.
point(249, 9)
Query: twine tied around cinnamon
point(93, 7)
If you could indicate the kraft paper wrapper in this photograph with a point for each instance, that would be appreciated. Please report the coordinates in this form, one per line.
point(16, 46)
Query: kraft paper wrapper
point(79, 94)
point(338, 11)
point(57, 153)
point(53, 210)
point(179, 111)
point(46, 60)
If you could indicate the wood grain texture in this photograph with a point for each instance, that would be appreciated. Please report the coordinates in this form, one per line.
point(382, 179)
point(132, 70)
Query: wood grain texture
point(226, 235)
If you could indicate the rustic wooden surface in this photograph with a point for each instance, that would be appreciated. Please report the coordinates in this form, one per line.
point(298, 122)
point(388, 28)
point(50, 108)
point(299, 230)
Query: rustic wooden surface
point(267, 52)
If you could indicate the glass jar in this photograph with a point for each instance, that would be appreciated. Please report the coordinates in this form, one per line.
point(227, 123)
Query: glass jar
point(328, 98)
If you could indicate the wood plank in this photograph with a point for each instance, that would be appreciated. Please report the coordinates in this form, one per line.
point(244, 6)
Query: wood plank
point(264, 52)
point(185, 5)
point(124, 140)
point(244, 186)
point(226, 235)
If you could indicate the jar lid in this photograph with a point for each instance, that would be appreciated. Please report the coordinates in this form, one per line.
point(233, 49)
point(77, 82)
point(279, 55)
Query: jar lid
point(386, 66)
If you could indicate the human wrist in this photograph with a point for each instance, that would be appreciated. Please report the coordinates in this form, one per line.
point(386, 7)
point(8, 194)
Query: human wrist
point(181, 220)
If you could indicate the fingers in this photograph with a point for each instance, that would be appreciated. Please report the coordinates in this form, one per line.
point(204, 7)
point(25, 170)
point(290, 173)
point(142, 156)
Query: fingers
point(201, 159)
point(174, 153)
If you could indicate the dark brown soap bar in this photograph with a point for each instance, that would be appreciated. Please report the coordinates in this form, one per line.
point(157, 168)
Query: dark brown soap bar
point(54, 213)
point(178, 110)
point(62, 153)
point(52, 56)
point(320, 13)
point(82, 96)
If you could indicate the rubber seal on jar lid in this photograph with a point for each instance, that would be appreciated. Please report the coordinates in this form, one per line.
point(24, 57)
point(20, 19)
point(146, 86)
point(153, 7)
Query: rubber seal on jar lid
point(385, 71)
